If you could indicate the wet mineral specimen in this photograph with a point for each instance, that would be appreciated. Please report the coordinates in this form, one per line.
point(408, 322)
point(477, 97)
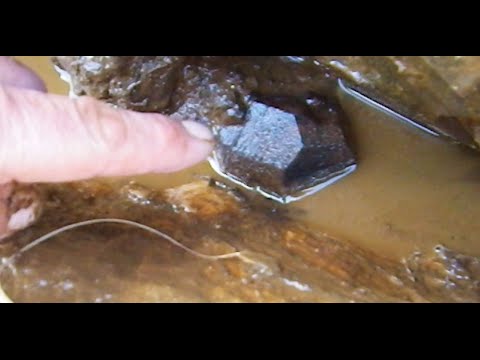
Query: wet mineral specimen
point(279, 130)
point(285, 145)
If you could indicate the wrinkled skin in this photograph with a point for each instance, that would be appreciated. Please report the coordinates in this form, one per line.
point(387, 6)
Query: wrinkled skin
point(287, 262)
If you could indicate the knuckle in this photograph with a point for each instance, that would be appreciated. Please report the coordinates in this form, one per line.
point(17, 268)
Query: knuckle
point(106, 126)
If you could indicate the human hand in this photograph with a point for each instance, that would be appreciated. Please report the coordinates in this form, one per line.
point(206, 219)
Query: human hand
point(51, 138)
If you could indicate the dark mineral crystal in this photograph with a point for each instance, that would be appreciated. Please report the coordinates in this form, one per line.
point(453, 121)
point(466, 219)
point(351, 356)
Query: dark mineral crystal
point(284, 146)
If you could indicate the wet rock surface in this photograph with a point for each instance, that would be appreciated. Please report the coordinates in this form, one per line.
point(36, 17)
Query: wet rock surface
point(286, 262)
point(440, 92)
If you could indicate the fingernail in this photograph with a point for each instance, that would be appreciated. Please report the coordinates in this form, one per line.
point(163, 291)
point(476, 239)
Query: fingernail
point(197, 130)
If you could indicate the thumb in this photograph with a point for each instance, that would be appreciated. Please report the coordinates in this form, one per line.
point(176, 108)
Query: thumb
point(51, 138)
point(13, 73)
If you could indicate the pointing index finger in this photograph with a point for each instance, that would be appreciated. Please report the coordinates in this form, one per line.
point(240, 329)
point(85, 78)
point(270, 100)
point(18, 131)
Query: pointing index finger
point(50, 138)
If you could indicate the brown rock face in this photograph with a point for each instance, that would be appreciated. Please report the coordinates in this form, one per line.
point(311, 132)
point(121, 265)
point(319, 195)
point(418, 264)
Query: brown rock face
point(440, 92)
point(283, 262)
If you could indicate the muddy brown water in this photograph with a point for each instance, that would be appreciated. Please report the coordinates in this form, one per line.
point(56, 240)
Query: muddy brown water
point(410, 192)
